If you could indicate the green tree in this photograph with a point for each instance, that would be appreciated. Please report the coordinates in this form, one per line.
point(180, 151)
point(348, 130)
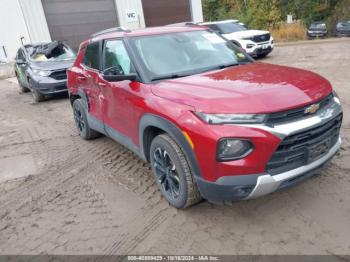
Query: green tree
point(255, 13)
point(262, 14)
point(267, 13)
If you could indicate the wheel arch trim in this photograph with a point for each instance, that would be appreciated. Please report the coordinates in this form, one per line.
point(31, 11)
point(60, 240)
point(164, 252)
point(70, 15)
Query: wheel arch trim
point(151, 120)
point(83, 96)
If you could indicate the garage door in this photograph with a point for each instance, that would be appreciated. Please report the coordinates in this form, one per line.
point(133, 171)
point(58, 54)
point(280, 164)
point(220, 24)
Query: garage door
point(163, 12)
point(76, 20)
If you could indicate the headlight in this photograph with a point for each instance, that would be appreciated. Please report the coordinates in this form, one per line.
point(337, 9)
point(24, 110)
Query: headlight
point(217, 119)
point(229, 149)
point(42, 72)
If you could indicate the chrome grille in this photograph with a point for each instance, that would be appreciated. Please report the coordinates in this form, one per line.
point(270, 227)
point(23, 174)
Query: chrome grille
point(294, 114)
point(305, 147)
point(59, 75)
point(261, 38)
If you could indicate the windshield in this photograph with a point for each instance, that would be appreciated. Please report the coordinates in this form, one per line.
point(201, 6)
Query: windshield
point(227, 28)
point(343, 24)
point(178, 54)
point(318, 26)
point(59, 52)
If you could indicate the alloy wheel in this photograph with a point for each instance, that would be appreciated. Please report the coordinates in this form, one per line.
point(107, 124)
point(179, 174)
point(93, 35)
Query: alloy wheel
point(166, 173)
point(79, 119)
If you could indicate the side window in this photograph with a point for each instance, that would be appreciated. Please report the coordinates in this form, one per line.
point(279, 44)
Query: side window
point(115, 54)
point(92, 58)
point(20, 55)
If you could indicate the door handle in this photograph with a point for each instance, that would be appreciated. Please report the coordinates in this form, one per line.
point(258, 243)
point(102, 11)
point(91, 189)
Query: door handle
point(100, 84)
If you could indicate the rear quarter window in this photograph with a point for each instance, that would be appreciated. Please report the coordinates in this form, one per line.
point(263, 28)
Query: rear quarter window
point(92, 56)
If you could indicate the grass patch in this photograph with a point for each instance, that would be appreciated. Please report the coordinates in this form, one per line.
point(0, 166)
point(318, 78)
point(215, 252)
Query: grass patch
point(289, 32)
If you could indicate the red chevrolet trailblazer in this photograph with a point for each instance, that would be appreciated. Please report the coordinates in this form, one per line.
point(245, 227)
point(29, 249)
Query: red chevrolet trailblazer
point(213, 123)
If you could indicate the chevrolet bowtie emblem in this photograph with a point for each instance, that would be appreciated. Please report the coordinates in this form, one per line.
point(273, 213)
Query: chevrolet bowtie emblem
point(312, 109)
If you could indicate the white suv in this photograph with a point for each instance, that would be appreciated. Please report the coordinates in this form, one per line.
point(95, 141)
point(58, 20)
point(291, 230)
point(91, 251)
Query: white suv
point(256, 43)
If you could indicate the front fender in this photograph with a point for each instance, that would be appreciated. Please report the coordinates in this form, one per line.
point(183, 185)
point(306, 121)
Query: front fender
point(150, 120)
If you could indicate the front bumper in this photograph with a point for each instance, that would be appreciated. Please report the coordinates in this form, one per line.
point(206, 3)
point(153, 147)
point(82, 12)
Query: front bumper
point(234, 188)
point(316, 34)
point(241, 187)
point(49, 86)
point(267, 184)
point(343, 33)
point(257, 49)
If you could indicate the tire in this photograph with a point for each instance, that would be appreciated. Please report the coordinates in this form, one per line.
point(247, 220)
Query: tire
point(172, 172)
point(37, 96)
point(22, 89)
point(81, 122)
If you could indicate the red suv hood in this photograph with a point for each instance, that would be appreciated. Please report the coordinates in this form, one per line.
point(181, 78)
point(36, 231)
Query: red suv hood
point(252, 88)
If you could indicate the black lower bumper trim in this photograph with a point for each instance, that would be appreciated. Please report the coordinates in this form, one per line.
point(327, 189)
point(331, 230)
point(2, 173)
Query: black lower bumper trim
point(261, 51)
point(301, 178)
point(229, 188)
point(316, 35)
point(50, 87)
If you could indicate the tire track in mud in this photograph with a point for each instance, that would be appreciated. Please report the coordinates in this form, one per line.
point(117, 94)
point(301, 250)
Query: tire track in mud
point(129, 238)
point(122, 166)
point(71, 211)
point(58, 152)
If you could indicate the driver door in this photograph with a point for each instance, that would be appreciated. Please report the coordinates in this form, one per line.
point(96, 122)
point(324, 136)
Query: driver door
point(117, 106)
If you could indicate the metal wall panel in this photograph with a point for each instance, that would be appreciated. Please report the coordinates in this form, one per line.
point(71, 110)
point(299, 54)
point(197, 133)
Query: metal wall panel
point(163, 12)
point(76, 20)
point(123, 6)
point(34, 17)
point(12, 28)
point(197, 11)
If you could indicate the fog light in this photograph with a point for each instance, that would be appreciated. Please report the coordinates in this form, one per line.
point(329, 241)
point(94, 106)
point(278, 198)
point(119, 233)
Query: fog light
point(243, 191)
point(232, 149)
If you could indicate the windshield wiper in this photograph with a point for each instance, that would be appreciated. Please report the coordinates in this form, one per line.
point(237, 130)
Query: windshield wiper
point(173, 76)
point(219, 67)
point(227, 65)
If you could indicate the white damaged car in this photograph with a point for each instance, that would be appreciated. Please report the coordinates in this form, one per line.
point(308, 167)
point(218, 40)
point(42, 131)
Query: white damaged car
point(257, 43)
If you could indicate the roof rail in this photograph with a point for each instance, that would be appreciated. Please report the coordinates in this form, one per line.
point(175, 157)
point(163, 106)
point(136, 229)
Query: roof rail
point(111, 30)
point(183, 24)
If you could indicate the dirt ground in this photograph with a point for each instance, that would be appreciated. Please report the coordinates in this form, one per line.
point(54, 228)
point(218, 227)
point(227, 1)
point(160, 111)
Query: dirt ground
point(60, 194)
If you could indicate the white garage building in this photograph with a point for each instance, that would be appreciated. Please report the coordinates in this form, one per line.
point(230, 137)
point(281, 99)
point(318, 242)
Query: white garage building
point(26, 21)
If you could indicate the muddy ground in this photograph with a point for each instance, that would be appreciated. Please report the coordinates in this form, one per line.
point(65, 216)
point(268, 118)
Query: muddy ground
point(60, 194)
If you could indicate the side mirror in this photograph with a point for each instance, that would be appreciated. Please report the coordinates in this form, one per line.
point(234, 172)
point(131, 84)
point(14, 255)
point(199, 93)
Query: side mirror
point(117, 78)
point(116, 73)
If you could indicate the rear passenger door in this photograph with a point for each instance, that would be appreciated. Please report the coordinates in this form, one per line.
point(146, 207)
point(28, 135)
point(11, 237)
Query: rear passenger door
point(89, 80)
